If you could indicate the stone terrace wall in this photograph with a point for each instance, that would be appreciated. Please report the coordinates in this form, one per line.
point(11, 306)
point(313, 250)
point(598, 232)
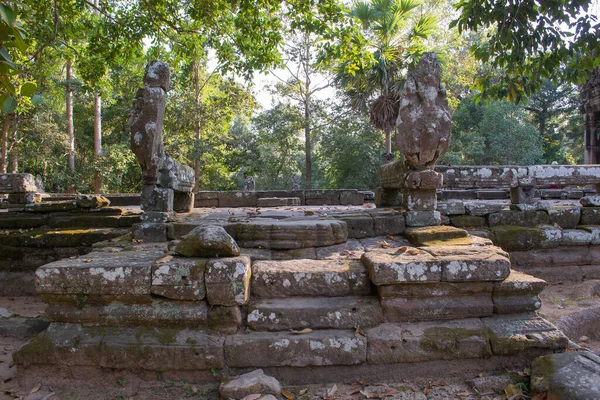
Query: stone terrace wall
point(268, 198)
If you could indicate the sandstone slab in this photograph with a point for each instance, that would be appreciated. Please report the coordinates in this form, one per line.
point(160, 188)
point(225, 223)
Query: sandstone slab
point(227, 280)
point(421, 236)
point(255, 382)
point(291, 234)
point(387, 269)
point(331, 278)
point(277, 349)
point(121, 273)
point(179, 278)
point(315, 313)
point(426, 341)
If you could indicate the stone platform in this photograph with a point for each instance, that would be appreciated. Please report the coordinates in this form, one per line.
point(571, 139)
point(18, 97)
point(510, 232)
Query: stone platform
point(311, 290)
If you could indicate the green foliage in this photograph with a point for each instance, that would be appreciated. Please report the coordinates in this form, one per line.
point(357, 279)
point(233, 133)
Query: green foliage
point(497, 133)
point(527, 41)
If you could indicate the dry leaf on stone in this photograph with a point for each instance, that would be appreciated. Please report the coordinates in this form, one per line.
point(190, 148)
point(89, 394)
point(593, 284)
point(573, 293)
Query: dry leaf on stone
point(302, 391)
point(440, 384)
point(525, 372)
point(302, 332)
point(287, 395)
point(363, 383)
point(164, 259)
point(87, 260)
point(383, 244)
point(427, 391)
point(511, 390)
point(253, 396)
point(35, 388)
point(331, 392)
point(463, 394)
point(540, 396)
point(359, 331)
point(309, 212)
point(370, 393)
point(412, 252)
point(352, 391)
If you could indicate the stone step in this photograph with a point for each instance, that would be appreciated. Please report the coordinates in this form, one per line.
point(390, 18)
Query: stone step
point(517, 294)
point(147, 348)
point(291, 234)
point(278, 201)
point(278, 349)
point(315, 313)
point(327, 278)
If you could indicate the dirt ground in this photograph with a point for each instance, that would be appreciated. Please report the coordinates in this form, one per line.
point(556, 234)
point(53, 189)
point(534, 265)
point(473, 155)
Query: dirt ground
point(558, 300)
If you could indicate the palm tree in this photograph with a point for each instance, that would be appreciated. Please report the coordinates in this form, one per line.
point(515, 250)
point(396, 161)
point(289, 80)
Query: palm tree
point(392, 41)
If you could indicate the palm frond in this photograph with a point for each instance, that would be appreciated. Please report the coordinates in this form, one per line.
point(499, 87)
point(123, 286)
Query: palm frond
point(384, 112)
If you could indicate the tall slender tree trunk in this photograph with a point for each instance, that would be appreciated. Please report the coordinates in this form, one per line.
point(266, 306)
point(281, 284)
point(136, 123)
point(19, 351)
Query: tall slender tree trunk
point(69, 116)
point(307, 144)
point(198, 127)
point(14, 150)
point(97, 141)
point(4, 144)
point(388, 142)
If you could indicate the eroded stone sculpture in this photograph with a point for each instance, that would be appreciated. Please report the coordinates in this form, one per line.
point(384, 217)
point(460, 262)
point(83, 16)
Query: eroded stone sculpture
point(167, 184)
point(422, 136)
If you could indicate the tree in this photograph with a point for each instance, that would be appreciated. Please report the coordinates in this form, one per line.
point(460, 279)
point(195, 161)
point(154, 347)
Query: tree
point(527, 41)
point(373, 60)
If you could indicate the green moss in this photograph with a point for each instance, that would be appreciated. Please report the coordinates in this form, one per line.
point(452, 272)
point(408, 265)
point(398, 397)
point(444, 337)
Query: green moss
point(420, 236)
point(81, 300)
point(39, 349)
point(512, 238)
point(191, 341)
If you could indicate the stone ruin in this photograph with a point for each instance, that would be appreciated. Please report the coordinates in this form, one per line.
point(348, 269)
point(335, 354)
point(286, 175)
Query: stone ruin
point(166, 184)
point(324, 296)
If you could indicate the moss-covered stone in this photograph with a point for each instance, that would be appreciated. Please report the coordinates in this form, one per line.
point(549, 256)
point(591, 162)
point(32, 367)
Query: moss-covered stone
point(467, 221)
point(590, 216)
point(529, 218)
point(565, 217)
point(420, 236)
point(512, 238)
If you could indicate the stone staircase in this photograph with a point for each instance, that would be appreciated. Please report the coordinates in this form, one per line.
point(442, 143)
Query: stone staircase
point(434, 295)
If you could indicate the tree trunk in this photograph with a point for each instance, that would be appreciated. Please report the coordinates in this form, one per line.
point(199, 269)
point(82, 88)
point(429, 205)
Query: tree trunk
point(14, 150)
point(4, 145)
point(307, 144)
point(197, 163)
point(388, 142)
point(69, 116)
point(97, 141)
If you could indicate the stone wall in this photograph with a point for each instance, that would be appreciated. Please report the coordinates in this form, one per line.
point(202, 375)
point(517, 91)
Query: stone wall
point(268, 198)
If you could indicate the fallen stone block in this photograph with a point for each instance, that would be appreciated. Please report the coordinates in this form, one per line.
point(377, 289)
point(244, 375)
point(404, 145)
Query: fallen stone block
point(314, 313)
point(207, 241)
point(426, 341)
point(331, 278)
point(92, 202)
point(514, 334)
point(569, 376)
point(227, 280)
point(255, 382)
point(24, 198)
point(278, 349)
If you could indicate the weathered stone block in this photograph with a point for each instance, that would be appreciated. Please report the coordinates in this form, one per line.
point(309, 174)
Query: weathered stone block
point(315, 313)
point(237, 199)
point(387, 269)
point(424, 235)
point(224, 320)
point(122, 273)
point(420, 199)
point(489, 266)
point(425, 179)
point(522, 194)
point(331, 278)
point(442, 290)
point(24, 198)
point(515, 238)
point(150, 232)
point(518, 218)
point(265, 349)
point(514, 304)
point(590, 216)
point(565, 217)
point(360, 225)
point(426, 341)
point(393, 175)
point(573, 375)
point(514, 334)
point(183, 202)
point(151, 349)
point(156, 198)
point(179, 279)
point(467, 221)
point(321, 197)
point(451, 207)
point(160, 217)
point(482, 208)
point(437, 308)
point(561, 256)
point(351, 197)
point(158, 313)
point(388, 198)
point(423, 218)
point(590, 201)
point(228, 281)
point(388, 222)
point(17, 183)
point(92, 202)
point(291, 234)
point(255, 382)
point(518, 283)
point(206, 241)
point(576, 237)
point(278, 201)
point(51, 206)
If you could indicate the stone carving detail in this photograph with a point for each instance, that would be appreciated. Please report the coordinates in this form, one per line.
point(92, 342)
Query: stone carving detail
point(167, 184)
point(423, 125)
